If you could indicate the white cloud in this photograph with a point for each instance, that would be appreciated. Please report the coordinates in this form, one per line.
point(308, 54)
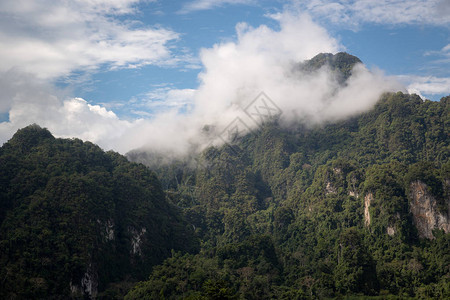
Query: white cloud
point(264, 59)
point(426, 85)
point(261, 59)
point(355, 12)
point(443, 54)
point(28, 100)
point(34, 102)
point(54, 38)
point(438, 65)
point(164, 99)
point(209, 4)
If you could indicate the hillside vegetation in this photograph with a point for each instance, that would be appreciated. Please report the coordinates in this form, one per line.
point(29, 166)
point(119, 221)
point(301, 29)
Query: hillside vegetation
point(355, 208)
point(79, 222)
point(358, 207)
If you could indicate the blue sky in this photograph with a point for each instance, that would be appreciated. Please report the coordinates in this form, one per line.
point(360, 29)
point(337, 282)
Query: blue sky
point(412, 49)
point(128, 61)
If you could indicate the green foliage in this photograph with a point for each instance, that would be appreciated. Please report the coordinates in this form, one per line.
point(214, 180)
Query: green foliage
point(298, 213)
point(427, 173)
point(356, 270)
point(341, 64)
point(68, 208)
point(284, 217)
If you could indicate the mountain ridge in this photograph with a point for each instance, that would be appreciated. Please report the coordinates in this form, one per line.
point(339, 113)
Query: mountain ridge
point(357, 207)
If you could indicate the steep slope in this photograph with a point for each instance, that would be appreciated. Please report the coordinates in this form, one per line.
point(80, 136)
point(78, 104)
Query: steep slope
point(78, 222)
point(304, 212)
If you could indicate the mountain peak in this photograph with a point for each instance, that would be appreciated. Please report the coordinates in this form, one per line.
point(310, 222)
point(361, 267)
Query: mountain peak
point(30, 136)
point(341, 63)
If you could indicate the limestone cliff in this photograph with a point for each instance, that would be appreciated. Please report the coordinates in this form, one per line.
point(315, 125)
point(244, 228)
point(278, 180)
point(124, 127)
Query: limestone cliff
point(367, 201)
point(424, 209)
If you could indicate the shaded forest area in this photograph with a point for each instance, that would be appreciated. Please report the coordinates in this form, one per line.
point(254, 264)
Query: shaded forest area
point(76, 220)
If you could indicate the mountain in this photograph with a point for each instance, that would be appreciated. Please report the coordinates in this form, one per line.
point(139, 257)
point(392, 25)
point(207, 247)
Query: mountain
point(339, 64)
point(357, 207)
point(77, 222)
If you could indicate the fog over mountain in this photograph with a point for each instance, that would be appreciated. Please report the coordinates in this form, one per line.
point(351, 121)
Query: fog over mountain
point(234, 73)
point(260, 149)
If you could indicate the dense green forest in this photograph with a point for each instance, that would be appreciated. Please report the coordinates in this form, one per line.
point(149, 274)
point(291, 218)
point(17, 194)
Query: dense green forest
point(357, 207)
point(76, 221)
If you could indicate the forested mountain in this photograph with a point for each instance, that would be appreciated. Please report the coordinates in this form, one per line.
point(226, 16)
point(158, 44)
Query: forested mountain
point(358, 207)
point(78, 222)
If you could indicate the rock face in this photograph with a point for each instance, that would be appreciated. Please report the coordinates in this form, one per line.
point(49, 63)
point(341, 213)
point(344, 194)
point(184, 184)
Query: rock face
point(425, 212)
point(136, 240)
point(87, 288)
point(390, 230)
point(330, 189)
point(353, 194)
point(367, 200)
point(89, 283)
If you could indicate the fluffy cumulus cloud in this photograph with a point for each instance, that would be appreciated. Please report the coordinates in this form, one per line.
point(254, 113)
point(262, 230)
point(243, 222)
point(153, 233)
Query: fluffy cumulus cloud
point(265, 60)
point(261, 59)
point(354, 12)
point(47, 40)
point(33, 101)
point(55, 38)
